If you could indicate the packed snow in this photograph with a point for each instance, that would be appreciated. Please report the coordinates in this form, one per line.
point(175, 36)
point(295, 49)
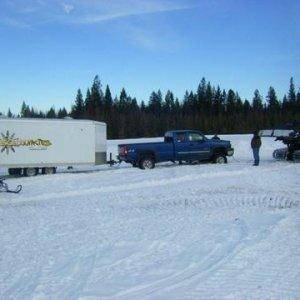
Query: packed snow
point(175, 232)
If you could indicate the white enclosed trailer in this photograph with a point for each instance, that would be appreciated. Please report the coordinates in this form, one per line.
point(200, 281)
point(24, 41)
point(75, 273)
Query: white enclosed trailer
point(30, 145)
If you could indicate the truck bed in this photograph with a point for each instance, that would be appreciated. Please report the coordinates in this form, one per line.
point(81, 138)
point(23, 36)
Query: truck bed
point(164, 151)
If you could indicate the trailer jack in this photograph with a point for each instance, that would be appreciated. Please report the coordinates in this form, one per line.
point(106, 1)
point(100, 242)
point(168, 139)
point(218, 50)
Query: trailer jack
point(111, 162)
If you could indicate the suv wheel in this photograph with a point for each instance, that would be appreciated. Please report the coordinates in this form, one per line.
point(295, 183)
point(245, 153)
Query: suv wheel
point(220, 159)
point(147, 163)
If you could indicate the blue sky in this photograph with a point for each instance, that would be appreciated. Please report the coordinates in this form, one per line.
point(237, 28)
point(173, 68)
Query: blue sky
point(49, 48)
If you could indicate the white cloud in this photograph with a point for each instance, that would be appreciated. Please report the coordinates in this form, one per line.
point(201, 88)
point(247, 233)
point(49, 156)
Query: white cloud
point(67, 8)
point(88, 11)
point(133, 8)
point(152, 36)
point(14, 23)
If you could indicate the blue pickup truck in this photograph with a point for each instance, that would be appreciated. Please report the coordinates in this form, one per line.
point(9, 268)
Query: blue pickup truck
point(181, 145)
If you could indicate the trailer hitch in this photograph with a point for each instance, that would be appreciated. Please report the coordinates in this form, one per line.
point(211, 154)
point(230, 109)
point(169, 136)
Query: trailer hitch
point(111, 162)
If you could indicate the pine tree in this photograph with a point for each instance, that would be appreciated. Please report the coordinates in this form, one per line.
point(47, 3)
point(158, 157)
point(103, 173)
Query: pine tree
point(77, 111)
point(285, 104)
point(88, 105)
point(97, 99)
point(108, 101)
point(292, 91)
point(217, 102)
point(201, 92)
point(51, 114)
point(62, 113)
point(273, 103)
point(155, 103)
point(298, 102)
point(239, 104)
point(291, 104)
point(208, 99)
point(246, 108)
point(168, 104)
point(231, 102)
point(257, 102)
point(273, 107)
point(32, 113)
point(9, 114)
point(25, 110)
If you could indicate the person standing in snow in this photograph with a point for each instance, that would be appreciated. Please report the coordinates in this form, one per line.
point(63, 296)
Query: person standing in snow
point(255, 145)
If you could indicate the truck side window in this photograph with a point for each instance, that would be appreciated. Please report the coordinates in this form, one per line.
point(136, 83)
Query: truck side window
point(168, 139)
point(195, 137)
point(180, 137)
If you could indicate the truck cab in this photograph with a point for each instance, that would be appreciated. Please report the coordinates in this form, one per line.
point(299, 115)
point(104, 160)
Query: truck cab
point(180, 145)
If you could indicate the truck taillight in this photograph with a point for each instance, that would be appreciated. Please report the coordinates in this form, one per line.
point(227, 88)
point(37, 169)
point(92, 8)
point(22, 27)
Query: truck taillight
point(123, 150)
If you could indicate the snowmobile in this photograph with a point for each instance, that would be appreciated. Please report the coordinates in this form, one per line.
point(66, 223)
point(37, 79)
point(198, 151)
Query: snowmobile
point(288, 134)
point(4, 187)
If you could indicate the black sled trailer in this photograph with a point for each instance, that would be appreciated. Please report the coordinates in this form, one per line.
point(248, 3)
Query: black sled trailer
point(289, 135)
point(4, 187)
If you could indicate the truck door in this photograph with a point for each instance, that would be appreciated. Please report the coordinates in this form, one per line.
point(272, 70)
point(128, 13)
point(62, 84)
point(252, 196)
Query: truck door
point(181, 143)
point(198, 146)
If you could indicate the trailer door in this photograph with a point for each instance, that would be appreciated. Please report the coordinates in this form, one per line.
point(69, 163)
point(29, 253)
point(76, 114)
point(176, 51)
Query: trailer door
point(100, 143)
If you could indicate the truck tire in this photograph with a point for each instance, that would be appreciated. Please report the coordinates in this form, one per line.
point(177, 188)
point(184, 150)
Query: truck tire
point(49, 171)
point(15, 172)
point(147, 163)
point(220, 159)
point(29, 172)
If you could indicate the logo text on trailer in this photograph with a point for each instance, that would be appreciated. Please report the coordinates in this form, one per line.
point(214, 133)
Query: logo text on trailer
point(8, 143)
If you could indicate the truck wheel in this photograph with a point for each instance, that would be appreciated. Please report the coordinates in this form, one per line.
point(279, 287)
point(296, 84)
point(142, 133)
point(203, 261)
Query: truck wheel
point(220, 159)
point(31, 172)
point(147, 163)
point(15, 172)
point(49, 171)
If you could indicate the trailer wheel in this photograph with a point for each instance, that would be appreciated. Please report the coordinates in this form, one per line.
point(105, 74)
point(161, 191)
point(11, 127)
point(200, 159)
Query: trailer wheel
point(147, 163)
point(220, 159)
point(49, 171)
point(15, 172)
point(29, 172)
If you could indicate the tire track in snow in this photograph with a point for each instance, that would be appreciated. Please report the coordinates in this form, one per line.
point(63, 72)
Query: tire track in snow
point(188, 278)
point(132, 186)
point(209, 263)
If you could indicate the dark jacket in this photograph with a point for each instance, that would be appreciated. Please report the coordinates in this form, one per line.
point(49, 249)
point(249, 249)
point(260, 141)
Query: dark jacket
point(256, 142)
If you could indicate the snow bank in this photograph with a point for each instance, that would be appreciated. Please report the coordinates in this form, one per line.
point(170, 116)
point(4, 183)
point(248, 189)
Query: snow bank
point(176, 232)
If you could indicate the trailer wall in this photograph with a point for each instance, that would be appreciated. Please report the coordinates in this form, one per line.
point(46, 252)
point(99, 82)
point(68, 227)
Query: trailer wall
point(45, 143)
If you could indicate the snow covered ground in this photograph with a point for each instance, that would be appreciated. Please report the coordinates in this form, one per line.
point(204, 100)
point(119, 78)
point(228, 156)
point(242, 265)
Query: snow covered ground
point(176, 232)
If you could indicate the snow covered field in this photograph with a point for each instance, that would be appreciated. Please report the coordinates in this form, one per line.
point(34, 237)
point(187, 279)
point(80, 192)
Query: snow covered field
point(176, 232)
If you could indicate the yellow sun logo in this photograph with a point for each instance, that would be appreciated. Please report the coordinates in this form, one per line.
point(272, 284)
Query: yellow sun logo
point(7, 142)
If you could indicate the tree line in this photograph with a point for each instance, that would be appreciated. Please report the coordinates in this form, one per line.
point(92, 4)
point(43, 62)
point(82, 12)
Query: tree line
point(209, 109)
